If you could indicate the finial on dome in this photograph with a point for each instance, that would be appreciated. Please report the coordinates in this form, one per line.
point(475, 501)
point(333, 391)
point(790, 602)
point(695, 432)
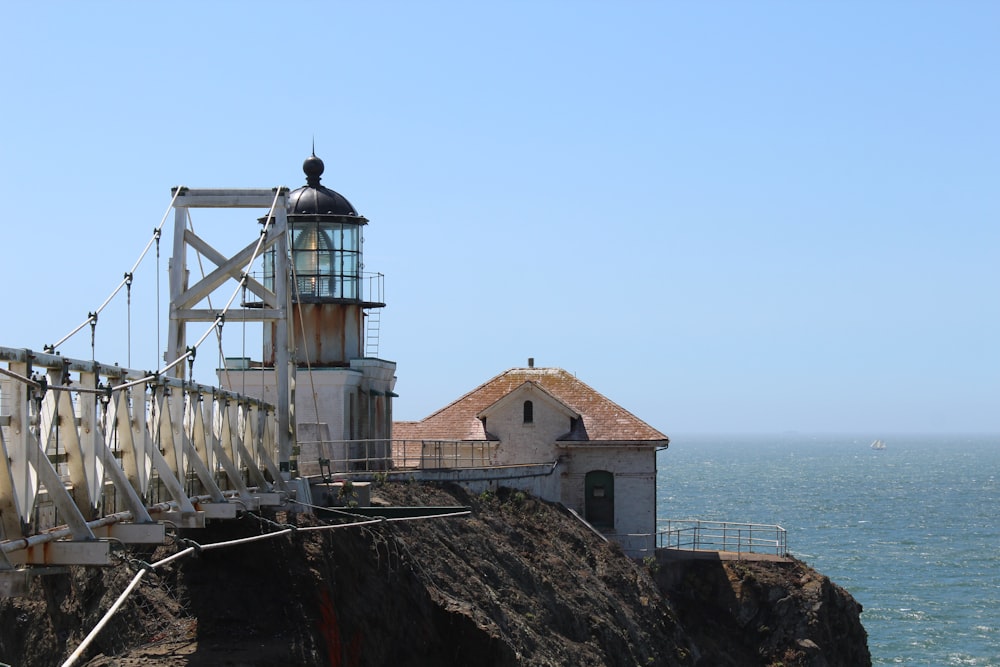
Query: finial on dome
point(313, 168)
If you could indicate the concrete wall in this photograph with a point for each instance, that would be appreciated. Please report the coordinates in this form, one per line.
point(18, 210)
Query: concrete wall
point(540, 480)
point(532, 442)
point(336, 403)
point(634, 470)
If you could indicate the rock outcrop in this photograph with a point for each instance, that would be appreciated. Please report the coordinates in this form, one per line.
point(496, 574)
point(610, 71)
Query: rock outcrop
point(519, 582)
point(764, 613)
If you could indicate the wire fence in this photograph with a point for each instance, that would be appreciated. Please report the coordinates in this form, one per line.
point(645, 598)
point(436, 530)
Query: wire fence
point(154, 613)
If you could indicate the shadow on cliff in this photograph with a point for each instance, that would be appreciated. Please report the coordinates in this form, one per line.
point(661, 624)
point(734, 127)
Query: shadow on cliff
point(747, 613)
point(352, 600)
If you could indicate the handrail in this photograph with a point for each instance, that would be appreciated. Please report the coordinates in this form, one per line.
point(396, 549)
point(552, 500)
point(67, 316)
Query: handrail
point(372, 287)
point(326, 457)
point(82, 441)
point(699, 535)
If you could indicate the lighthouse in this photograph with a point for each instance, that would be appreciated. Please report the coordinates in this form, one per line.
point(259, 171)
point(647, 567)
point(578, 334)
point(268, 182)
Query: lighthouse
point(329, 303)
point(343, 398)
point(341, 392)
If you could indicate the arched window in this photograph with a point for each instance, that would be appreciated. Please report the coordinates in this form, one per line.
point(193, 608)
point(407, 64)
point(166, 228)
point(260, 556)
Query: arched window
point(529, 412)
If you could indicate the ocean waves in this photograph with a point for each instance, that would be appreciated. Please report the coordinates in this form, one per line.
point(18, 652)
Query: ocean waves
point(910, 530)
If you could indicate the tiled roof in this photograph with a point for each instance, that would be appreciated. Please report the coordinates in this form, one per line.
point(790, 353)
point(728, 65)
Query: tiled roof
point(603, 420)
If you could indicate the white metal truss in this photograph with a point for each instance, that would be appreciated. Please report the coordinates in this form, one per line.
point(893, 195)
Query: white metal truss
point(90, 452)
point(186, 300)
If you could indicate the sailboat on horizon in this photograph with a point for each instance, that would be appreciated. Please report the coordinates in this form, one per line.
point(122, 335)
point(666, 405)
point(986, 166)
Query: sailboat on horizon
point(878, 444)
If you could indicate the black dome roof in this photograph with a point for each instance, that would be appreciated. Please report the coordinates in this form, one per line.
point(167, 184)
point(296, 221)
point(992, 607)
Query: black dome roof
point(313, 198)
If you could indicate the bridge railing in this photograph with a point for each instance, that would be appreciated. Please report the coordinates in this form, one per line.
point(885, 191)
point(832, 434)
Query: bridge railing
point(436, 454)
point(698, 535)
point(85, 446)
point(323, 457)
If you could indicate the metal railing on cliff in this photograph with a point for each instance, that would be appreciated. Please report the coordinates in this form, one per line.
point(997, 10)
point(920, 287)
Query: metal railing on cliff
point(698, 535)
point(347, 457)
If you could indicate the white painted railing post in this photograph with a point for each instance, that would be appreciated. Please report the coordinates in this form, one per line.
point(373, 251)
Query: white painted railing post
point(10, 513)
point(21, 443)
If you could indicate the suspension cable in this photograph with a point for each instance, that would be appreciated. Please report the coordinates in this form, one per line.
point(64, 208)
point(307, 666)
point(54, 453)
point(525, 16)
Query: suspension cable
point(92, 317)
point(244, 276)
point(128, 301)
point(243, 348)
point(324, 451)
point(198, 548)
point(216, 324)
point(156, 236)
point(93, 336)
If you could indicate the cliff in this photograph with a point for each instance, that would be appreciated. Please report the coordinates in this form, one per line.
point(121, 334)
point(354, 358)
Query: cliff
point(784, 613)
point(519, 582)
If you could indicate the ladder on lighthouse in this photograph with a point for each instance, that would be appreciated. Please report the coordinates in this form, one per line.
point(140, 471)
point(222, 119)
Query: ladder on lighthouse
point(373, 320)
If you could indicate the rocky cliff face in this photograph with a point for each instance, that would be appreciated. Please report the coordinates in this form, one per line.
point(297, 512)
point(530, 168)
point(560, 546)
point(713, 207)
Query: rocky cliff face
point(764, 613)
point(520, 582)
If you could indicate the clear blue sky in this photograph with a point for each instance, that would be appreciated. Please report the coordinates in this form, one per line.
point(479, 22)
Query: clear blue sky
point(727, 216)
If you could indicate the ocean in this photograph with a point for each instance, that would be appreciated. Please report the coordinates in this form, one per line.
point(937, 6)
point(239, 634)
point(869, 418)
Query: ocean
point(912, 531)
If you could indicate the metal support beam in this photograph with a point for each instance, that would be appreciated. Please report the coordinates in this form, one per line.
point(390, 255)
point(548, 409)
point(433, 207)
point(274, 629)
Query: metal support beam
point(134, 533)
point(268, 499)
point(70, 513)
point(243, 414)
point(218, 510)
point(64, 552)
point(228, 268)
point(10, 514)
point(225, 198)
point(14, 583)
point(182, 519)
point(178, 272)
point(284, 362)
point(211, 314)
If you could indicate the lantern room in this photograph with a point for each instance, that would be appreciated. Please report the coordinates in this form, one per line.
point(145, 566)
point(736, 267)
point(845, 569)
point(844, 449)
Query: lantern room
point(326, 240)
point(327, 288)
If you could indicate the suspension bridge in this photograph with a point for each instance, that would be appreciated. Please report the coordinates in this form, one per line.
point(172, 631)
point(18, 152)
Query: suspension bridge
point(95, 454)
point(99, 461)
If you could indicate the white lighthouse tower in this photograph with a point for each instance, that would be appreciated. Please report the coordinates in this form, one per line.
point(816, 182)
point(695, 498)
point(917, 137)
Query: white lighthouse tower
point(342, 399)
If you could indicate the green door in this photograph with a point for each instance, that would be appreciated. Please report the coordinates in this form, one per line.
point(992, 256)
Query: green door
point(600, 499)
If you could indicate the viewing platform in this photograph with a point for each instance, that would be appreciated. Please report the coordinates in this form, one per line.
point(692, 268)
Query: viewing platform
point(694, 539)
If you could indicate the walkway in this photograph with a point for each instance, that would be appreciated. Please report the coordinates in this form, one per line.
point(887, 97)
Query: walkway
point(706, 554)
point(90, 451)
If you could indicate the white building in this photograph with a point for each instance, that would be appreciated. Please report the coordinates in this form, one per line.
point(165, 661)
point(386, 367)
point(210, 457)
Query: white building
point(604, 456)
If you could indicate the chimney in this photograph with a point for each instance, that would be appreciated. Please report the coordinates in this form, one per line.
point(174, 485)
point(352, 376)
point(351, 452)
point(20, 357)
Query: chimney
point(531, 362)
